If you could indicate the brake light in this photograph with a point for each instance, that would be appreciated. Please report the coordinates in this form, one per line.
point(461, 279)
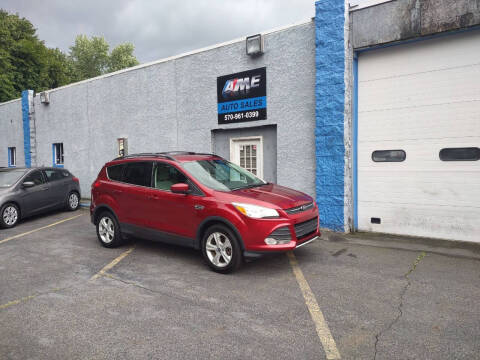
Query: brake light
point(75, 179)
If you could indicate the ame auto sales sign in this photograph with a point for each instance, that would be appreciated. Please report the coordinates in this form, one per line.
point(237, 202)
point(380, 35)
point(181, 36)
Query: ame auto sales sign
point(242, 96)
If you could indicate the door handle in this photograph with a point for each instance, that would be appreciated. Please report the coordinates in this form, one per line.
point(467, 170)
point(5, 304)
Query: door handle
point(153, 197)
point(117, 191)
point(45, 188)
point(199, 207)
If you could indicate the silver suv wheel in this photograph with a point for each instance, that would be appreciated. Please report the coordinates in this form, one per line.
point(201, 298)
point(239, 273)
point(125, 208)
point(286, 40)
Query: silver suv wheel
point(219, 249)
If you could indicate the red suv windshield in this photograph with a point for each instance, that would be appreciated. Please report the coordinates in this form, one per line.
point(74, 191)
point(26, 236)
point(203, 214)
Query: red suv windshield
point(221, 175)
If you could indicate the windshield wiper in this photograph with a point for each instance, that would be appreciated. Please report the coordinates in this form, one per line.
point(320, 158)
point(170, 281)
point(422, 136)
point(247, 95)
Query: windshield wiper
point(249, 186)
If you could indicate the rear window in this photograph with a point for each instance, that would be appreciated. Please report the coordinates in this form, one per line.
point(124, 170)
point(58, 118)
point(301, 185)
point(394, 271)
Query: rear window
point(138, 173)
point(115, 172)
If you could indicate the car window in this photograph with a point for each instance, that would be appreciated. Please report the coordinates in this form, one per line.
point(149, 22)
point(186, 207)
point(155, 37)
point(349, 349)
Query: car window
point(115, 172)
point(36, 177)
point(138, 173)
point(164, 176)
point(53, 175)
point(10, 177)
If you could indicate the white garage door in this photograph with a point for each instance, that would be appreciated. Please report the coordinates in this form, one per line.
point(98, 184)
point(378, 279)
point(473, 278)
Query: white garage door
point(420, 98)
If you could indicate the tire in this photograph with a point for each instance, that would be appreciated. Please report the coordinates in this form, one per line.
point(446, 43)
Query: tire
point(73, 201)
point(9, 215)
point(221, 250)
point(108, 231)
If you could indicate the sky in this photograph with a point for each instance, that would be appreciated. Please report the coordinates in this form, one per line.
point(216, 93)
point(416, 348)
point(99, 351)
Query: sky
point(158, 28)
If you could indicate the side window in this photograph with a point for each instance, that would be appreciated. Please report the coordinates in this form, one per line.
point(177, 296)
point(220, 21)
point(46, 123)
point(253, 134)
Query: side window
point(166, 175)
point(389, 155)
point(115, 172)
point(12, 156)
point(138, 173)
point(53, 175)
point(460, 154)
point(57, 150)
point(36, 177)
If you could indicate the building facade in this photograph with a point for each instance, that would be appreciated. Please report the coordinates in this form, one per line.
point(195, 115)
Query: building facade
point(372, 110)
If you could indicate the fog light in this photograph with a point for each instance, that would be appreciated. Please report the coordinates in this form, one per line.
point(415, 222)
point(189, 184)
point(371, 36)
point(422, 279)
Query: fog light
point(271, 241)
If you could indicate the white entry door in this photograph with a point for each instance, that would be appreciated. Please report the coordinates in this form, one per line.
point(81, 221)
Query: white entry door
point(248, 153)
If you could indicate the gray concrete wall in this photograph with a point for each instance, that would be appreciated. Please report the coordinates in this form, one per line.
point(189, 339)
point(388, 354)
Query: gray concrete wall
point(221, 146)
point(11, 131)
point(172, 105)
point(406, 19)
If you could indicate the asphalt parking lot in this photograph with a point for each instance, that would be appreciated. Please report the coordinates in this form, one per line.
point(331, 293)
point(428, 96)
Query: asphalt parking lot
point(63, 296)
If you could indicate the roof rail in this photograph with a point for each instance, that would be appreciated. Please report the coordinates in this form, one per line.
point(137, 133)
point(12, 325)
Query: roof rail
point(145, 155)
point(166, 154)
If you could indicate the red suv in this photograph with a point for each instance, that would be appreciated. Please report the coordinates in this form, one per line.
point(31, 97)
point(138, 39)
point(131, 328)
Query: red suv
point(202, 201)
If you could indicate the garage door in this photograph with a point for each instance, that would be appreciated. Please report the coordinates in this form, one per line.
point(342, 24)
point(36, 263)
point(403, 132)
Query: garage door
point(413, 101)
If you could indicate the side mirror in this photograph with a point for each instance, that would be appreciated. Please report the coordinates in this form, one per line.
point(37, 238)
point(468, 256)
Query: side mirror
point(180, 188)
point(28, 184)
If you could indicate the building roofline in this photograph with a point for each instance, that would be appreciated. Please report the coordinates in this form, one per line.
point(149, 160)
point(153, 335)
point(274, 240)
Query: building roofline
point(175, 57)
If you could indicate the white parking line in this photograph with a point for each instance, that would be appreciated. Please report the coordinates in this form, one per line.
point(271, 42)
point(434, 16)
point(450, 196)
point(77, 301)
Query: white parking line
point(323, 331)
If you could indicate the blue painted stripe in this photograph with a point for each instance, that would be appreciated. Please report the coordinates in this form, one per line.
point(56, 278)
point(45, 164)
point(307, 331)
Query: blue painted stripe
point(53, 154)
point(26, 129)
point(9, 158)
point(355, 141)
point(242, 105)
point(330, 113)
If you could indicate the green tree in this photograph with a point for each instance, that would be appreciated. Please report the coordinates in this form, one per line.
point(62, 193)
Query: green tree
point(122, 57)
point(25, 61)
point(90, 56)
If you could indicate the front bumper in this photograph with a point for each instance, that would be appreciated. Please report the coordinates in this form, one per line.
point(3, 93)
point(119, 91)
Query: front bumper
point(259, 254)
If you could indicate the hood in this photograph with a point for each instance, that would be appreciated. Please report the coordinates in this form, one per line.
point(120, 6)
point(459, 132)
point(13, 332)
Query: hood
point(280, 196)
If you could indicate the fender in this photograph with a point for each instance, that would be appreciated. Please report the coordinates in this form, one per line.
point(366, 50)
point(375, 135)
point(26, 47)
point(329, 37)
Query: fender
point(227, 223)
point(100, 207)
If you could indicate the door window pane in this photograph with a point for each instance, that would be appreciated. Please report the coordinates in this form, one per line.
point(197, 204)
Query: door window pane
point(36, 177)
point(53, 175)
point(165, 176)
point(138, 173)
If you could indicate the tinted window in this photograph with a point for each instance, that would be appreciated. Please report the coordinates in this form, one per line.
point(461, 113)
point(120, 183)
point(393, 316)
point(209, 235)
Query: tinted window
point(165, 176)
point(460, 154)
point(138, 173)
point(65, 173)
point(36, 177)
point(115, 172)
point(53, 175)
point(388, 155)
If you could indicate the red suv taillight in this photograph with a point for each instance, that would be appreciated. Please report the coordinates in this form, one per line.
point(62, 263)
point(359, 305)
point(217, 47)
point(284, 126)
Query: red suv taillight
point(75, 179)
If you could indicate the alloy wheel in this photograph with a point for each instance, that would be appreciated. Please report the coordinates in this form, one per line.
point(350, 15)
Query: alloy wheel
point(219, 249)
point(73, 201)
point(106, 230)
point(10, 215)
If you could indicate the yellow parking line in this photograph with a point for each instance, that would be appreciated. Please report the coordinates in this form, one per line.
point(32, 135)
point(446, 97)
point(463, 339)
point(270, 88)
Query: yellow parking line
point(112, 264)
point(15, 302)
point(323, 331)
point(40, 228)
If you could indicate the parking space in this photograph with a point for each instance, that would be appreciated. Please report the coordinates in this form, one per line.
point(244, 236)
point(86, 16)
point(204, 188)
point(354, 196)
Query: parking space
point(160, 301)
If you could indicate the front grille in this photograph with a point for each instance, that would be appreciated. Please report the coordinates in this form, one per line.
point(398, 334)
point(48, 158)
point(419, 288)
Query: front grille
point(282, 233)
point(306, 228)
point(299, 209)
